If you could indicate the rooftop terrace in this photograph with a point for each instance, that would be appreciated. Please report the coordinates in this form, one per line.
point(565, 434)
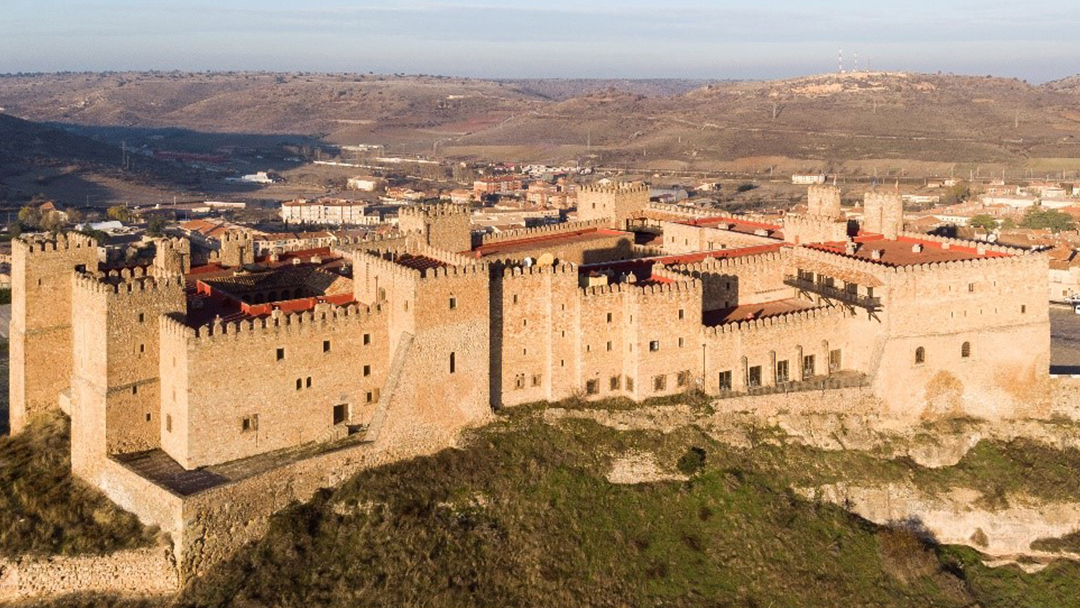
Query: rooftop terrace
point(547, 240)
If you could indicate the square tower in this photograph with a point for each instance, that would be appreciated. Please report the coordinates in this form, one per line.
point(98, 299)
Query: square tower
point(616, 203)
point(444, 226)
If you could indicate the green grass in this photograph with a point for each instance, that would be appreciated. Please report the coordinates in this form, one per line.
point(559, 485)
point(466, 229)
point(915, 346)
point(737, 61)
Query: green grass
point(45, 511)
point(523, 516)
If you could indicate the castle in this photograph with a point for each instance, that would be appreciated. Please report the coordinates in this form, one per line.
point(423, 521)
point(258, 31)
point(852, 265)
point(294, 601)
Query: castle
point(204, 395)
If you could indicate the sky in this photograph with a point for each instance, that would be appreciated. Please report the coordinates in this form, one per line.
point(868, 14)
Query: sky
point(1036, 40)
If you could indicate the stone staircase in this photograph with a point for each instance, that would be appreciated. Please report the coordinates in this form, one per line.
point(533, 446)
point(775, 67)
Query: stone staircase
point(401, 354)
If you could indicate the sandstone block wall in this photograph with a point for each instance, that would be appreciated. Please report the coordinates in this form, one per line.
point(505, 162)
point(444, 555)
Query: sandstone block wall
point(617, 203)
point(687, 238)
point(40, 330)
point(729, 282)
point(142, 572)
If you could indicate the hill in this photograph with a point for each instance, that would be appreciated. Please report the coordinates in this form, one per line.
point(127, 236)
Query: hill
point(857, 123)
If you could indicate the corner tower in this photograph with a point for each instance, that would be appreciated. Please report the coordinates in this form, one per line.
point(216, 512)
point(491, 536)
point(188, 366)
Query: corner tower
point(443, 226)
point(616, 203)
point(40, 332)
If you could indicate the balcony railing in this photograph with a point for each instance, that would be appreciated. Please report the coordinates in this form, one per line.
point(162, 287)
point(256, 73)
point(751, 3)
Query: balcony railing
point(833, 293)
point(839, 380)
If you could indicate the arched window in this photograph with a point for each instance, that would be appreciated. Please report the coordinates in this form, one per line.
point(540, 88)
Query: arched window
point(965, 350)
point(920, 355)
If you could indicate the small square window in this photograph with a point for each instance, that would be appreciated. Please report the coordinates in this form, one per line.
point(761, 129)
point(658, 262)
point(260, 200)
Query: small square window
point(659, 383)
point(682, 314)
point(367, 339)
point(592, 387)
point(326, 346)
point(280, 354)
point(135, 390)
point(245, 424)
point(654, 345)
point(536, 380)
point(616, 383)
point(367, 370)
point(609, 317)
point(453, 303)
point(149, 416)
point(142, 317)
point(369, 397)
point(725, 380)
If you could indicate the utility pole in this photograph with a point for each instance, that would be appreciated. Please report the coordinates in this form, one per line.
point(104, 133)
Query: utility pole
point(774, 110)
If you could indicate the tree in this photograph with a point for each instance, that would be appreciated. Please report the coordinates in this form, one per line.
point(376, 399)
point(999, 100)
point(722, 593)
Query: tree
point(30, 216)
point(156, 227)
point(1008, 223)
point(984, 221)
point(1039, 218)
point(957, 194)
point(120, 213)
point(53, 221)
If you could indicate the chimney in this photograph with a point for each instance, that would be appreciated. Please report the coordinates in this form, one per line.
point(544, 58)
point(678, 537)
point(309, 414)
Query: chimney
point(850, 248)
point(981, 250)
point(916, 248)
point(946, 246)
point(875, 254)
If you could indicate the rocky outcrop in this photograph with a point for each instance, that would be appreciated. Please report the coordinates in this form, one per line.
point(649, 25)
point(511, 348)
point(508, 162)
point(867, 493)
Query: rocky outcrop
point(139, 572)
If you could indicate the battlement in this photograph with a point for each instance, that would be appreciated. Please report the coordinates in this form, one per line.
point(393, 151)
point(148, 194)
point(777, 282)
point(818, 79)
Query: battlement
point(39, 245)
point(789, 322)
point(313, 321)
point(126, 281)
point(616, 188)
point(1007, 249)
point(723, 264)
point(433, 210)
point(510, 271)
point(678, 285)
point(882, 268)
point(236, 236)
point(546, 230)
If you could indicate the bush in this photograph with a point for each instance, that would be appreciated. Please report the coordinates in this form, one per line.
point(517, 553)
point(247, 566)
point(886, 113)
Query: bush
point(692, 461)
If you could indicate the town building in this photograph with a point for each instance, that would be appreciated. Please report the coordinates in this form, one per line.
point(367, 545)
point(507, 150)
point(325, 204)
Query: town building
point(329, 211)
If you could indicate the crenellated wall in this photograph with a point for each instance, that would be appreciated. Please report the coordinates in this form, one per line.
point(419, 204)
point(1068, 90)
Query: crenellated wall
point(730, 282)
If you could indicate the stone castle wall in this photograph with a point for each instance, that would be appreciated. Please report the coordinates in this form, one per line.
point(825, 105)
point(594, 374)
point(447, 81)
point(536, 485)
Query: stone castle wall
point(686, 238)
point(729, 282)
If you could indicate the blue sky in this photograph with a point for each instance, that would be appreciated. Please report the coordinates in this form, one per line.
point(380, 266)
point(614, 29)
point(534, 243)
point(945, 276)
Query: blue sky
point(1036, 40)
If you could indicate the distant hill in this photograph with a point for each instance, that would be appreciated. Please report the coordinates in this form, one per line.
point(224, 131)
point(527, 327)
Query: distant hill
point(856, 123)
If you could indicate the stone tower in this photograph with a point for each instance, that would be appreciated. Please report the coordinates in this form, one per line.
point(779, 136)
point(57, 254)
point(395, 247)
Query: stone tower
point(883, 213)
point(444, 226)
point(617, 203)
point(237, 249)
point(115, 389)
point(824, 201)
point(40, 332)
point(172, 256)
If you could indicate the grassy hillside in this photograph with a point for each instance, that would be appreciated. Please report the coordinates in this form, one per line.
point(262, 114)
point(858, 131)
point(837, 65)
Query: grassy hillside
point(44, 511)
point(524, 516)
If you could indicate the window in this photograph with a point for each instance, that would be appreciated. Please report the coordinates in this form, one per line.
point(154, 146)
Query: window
point(341, 412)
point(524, 322)
point(406, 306)
point(299, 384)
point(616, 383)
point(725, 380)
point(609, 345)
point(245, 424)
point(682, 314)
point(683, 379)
point(519, 381)
point(280, 354)
point(370, 397)
point(807, 366)
point(1023, 308)
point(971, 287)
point(135, 390)
point(609, 317)
point(524, 351)
point(148, 416)
point(965, 350)
point(782, 372)
point(142, 348)
point(835, 360)
point(680, 342)
point(592, 387)
point(515, 298)
point(654, 345)
point(453, 363)
point(326, 346)
point(367, 339)
point(629, 384)
point(168, 423)
point(659, 383)
point(920, 355)
point(142, 317)
point(562, 362)
point(307, 383)
point(753, 379)
point(453, 303)
point(536, 379)
point(367, 370)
